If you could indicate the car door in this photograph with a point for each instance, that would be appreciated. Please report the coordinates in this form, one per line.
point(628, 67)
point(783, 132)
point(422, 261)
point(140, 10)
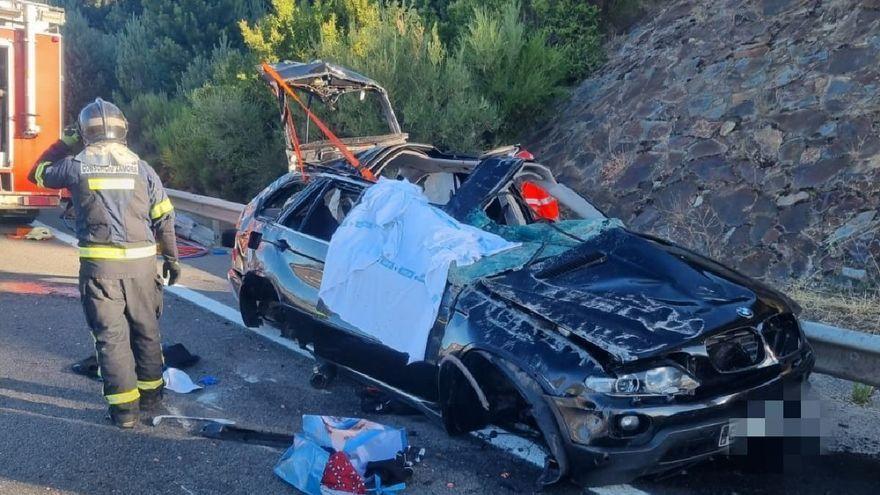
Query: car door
point(304, 234)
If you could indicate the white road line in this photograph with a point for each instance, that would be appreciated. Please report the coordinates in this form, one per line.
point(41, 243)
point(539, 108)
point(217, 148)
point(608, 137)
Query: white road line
point(508, 442)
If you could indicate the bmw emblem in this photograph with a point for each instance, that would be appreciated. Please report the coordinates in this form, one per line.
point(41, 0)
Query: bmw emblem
point(744, 312)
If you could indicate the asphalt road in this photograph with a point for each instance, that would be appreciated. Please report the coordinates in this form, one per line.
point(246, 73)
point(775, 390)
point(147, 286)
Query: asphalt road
point(54, 437)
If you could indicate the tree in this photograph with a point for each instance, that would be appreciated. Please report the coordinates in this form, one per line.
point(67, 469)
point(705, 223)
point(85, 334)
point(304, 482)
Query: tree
point(89, 56)
point(156, 46)
point(512, 66)
point(224, 141)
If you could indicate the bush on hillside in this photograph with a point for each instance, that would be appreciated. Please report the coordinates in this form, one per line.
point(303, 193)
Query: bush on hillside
point(574, 26)
point(433, 94)
point(155, 47)
point(292, 28)
point(224, 142)
point(147, 114)
point(89, 64)
point(513, 67)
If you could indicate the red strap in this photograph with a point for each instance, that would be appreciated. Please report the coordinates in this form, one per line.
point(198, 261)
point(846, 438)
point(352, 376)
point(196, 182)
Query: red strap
point(349, 156)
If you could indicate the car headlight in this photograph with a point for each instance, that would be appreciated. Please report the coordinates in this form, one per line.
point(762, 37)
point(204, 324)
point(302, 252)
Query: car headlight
point(664, 380)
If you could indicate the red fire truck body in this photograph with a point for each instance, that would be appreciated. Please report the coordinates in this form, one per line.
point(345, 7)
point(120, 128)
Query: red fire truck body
point(31, 100)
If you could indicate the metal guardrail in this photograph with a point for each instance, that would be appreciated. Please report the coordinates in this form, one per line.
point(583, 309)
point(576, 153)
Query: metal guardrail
point(845, 353)
point(214, 209)
point(839, 352)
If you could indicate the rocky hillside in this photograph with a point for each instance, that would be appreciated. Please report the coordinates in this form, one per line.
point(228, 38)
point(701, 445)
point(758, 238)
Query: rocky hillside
point(747, 129)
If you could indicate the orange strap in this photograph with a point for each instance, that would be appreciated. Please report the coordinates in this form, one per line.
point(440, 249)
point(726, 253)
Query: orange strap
point(365, 173)
point(296, 145)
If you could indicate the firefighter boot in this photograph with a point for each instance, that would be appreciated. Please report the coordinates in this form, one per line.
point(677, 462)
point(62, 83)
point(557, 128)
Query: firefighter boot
point(124, 415)
point(151, 400)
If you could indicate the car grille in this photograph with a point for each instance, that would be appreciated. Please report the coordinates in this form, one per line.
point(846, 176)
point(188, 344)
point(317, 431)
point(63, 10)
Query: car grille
point(782, 334)
point(735, 350)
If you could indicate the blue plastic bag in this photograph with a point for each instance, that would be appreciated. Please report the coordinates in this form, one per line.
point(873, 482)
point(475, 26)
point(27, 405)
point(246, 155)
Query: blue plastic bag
point(364, 441)
point(302, 465)
point(378, 489)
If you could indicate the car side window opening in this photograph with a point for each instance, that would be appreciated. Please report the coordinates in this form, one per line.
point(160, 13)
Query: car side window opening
point(280, 199)
point(321, 216)
point(507, 208)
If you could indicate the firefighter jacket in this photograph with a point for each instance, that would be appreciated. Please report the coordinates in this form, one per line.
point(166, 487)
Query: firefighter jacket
point(123, 215)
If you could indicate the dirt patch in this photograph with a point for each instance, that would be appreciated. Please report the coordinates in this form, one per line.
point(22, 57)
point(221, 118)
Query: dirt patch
point(853, 308)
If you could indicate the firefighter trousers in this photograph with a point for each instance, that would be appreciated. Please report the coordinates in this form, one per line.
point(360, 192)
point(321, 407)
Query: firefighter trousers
point(123, 316)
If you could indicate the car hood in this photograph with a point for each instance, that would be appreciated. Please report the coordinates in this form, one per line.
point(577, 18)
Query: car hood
point(634, 297)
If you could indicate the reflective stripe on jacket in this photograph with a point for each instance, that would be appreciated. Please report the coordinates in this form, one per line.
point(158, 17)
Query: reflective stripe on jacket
point(120, 206)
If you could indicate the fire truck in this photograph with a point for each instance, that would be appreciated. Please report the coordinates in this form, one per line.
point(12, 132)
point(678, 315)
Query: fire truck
point(31, 101)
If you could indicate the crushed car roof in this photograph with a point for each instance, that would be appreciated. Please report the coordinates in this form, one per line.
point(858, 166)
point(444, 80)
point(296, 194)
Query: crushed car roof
point(323, 79)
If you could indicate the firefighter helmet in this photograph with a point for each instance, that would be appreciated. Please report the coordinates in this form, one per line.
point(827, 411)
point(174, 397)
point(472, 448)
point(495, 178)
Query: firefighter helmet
point(102, 121)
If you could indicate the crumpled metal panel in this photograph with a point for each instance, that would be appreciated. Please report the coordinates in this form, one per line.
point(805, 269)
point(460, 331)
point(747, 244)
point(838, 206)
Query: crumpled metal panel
point(637, 300)
point(482, 185)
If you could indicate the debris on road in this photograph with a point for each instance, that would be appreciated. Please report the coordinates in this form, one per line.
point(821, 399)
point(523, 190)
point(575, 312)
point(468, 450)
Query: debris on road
point(376, 401)
point(208, 380)
point(346, 455)
point(175, 356)
point(188, 228)
point(222, 431)
point(87, 367)
point(33, 234)
point(178, 356)
point(157, 420)
point(178, 381)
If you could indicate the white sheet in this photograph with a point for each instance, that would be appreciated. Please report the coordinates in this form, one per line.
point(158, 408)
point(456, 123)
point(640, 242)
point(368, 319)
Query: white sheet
point(387, 264)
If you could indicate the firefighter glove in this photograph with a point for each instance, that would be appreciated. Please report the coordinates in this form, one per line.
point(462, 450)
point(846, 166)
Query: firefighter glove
point(70, 137)
point(171, 272)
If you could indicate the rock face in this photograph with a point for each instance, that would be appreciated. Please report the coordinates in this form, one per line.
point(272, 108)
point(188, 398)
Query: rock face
point(749, 130)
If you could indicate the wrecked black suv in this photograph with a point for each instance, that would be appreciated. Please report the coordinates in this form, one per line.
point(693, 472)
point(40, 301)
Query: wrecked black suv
point(623, 354)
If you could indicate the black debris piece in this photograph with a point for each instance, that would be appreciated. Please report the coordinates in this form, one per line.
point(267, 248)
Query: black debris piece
point(376, 401)
point(219, 431)
point(176, 356)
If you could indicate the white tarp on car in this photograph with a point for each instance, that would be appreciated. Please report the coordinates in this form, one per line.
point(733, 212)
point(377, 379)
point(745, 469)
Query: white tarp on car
point(387, 264)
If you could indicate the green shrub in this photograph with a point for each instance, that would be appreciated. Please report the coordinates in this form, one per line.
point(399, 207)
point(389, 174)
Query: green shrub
point(433, 94)
point(574, 27)
point(224, 142)
point(861, 394)
point(147, 114)
point(89, 56)
point(293, 27)
point(223, 65)
point(514, 68)
point(156, 46)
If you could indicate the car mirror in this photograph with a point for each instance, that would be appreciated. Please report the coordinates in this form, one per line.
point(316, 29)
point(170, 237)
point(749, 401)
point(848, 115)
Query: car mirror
point(227, 238)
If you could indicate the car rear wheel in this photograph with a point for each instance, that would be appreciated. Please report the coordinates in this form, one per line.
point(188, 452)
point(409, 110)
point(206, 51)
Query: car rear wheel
point(256, 298)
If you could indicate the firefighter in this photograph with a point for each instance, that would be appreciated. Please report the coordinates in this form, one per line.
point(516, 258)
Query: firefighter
point(123, 219)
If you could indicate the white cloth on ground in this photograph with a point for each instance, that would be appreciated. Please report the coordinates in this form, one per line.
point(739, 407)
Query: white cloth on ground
point(178, 381)
point(387, 264)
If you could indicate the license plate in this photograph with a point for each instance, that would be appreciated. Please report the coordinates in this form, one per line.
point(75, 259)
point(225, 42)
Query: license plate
point(724, 436)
